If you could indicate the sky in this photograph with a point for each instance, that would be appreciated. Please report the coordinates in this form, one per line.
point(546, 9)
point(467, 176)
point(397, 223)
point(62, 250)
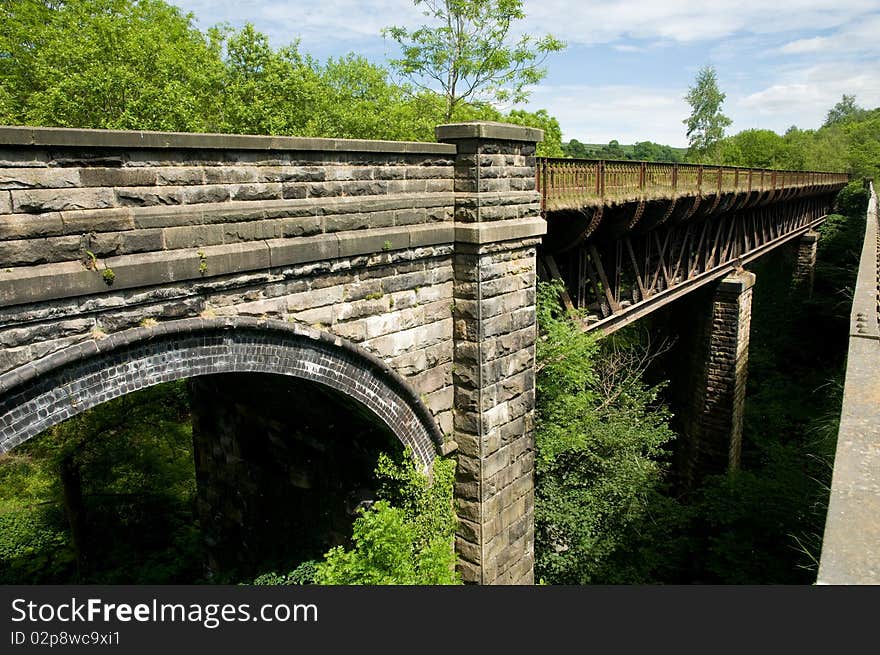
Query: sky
point(628, 64)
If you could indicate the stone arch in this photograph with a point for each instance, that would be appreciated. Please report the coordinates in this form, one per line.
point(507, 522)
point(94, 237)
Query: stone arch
point(43, 393)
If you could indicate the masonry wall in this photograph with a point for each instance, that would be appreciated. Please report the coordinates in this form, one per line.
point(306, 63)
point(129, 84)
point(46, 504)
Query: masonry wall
point(355, 242)
point(424, 254)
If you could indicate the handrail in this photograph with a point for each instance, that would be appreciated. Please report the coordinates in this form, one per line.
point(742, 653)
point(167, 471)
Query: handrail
point(565, 183)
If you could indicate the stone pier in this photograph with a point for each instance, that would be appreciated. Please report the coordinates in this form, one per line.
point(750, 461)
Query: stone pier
point(805, 263)
point(713, 429)
point(497, 229)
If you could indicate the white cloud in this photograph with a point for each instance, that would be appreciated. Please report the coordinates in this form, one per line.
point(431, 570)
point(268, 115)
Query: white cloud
point(597, 114)
point(801, 46)
point(856, 38)
point(586, 21)
point(624, 47)
point(686, 21)
point(803, 96)
point(340, 24)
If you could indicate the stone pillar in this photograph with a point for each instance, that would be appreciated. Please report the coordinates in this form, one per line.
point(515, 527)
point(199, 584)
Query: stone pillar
point(497, 229)
point(713, 429)
point(805, 264)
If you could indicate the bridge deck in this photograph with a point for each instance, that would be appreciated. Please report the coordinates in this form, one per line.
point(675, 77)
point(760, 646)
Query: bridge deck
point(851, 546)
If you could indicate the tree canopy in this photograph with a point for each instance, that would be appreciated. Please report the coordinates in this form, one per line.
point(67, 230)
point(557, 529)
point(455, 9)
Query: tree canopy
point(705, 125)
point(142, 64)
point(469, 54)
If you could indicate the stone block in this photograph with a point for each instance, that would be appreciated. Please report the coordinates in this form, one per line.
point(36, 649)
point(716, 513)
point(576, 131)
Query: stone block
point(39, 178)
point(262, 191)
point(29, 226)
point(35, 201)
point(205, 194)
point(284, 252)
point(148, 196)
point(193, 237)
point(180, 175)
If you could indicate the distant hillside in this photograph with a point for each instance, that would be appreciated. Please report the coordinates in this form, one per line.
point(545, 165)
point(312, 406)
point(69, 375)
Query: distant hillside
point(640, 151)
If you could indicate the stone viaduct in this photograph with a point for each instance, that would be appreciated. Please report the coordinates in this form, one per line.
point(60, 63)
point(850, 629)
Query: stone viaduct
point(401, 275)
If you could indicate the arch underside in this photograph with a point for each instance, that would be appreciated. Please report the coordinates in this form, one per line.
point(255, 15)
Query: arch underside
point(42, 394)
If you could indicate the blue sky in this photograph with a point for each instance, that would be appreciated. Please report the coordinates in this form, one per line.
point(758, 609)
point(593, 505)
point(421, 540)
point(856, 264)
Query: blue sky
point(629, 63)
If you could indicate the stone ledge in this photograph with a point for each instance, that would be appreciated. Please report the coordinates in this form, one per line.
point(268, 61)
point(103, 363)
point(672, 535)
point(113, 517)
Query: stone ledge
point(480, 233)
point(62, 136)
point(488, 130)
point(71, 279)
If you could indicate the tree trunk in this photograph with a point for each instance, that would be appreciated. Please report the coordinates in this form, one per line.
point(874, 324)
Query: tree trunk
point(75, 512)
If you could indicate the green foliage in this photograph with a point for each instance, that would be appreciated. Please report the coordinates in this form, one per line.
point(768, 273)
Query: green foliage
point(852, 201)
point(753, 148)
point(705, 125)
point(128, 64)
point(849, 141)
point(845, 111)
point(136, 481)
point(301, 575)
point(639, 151)
point(600, 442)
point(114, 64)
point(34, 546)
point(468, 53)
point(404, 538)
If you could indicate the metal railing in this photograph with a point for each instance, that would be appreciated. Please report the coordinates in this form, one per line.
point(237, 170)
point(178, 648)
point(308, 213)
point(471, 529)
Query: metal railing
point(570, 183)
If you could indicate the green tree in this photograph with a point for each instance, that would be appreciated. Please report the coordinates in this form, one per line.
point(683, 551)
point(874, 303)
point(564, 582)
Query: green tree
point(705, 125)
point(265, 91)
point(753, 148)
point(844, 111)
point(600, 441)
point(106, 64)
point(468, 54)
point(576, 149)
point(406, 537)
point(551, 146)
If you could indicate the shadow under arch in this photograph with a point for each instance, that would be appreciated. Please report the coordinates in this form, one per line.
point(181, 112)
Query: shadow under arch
point(40, 394)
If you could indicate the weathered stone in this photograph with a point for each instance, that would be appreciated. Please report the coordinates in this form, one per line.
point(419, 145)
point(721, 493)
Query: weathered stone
point(46, 200)
point(205, 194)
point(246, 244)
point(97, 220)
point(39, 178)
point(148, 196)
point(256, 191)
point(179, 175)
point(713, 423)
point(29, 226)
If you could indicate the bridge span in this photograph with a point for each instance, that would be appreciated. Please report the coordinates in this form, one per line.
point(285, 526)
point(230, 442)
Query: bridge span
point(629, 237)
point(400, 276)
